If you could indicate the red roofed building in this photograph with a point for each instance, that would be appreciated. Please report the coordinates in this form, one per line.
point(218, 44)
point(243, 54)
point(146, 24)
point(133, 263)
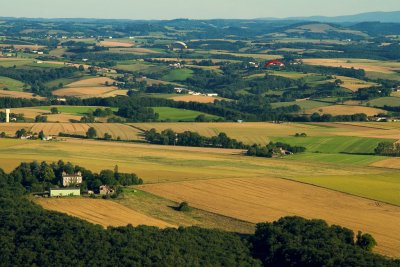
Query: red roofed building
point(274, 63)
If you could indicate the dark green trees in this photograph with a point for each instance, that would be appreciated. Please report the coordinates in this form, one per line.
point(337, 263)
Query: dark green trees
point(91, 133)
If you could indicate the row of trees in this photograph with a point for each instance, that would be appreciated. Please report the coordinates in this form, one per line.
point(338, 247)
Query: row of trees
point(388, 149)
point(188, 138)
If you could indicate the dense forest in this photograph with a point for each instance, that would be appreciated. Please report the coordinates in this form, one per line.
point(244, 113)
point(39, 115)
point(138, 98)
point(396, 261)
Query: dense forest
point(32, 236)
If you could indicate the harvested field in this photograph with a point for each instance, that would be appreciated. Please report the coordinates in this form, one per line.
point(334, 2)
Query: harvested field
point(354, 84)
point(56, 128)
point(195, 98)
point(85, 91)
point(261, 133)
point(98, 211)
point(32, 47)
point(392, 163)
point(16, 94)
point(365, 64)
point(116, 44)
point(138, 50)
point(125, 132)
point(91, 82)
point(268, 199)
point(31, 113)
point(346, 110)
point(92, 87)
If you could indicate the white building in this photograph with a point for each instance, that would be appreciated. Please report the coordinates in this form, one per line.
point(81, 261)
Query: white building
point(71, 179)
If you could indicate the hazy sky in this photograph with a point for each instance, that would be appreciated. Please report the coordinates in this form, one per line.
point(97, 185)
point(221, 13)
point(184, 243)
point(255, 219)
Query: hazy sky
point(197, 9)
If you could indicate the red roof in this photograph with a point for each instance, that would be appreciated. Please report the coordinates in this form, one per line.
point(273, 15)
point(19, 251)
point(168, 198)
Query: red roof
point(273, 62)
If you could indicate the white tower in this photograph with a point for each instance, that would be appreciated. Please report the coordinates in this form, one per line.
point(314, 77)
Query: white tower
point(8, 115)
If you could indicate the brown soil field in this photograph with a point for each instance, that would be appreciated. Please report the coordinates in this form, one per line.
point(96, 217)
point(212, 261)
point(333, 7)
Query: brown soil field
point(14, 94)
point(345, 110)
point(367, 65)
point(116, 44)
point(84, 91)
point(268, 199)
point(92, 82)
point(195, 98)
point(99, 211)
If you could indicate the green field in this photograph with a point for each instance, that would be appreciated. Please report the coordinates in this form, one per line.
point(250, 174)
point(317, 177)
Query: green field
point(178, 75)
point(384, 187)
point(333, 144)
point(347, 159)
point(382, 101)
point(11, 84)
point(175, 114)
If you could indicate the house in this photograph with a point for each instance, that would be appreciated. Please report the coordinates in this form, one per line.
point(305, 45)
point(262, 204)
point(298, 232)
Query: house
point(175, 65)
point(212, 94)
point(106, 190)
point(26, 136)
point(71, 179)
point(47, 138)
point(274, 63)
point(65, 192)
point(40, 53)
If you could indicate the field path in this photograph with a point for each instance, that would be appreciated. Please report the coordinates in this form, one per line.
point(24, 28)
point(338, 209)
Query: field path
point(268, 199)
point(99, 211)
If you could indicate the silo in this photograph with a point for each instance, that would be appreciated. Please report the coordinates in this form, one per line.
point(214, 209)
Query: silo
point(8, 111)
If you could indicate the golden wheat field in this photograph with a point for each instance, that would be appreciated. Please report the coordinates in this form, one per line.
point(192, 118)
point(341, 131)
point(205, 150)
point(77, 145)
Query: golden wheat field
point(268, 199)
point(354, 84)
point(31, 113)
point(84, 91)
point(123, 131)
point(365, 64)
point(195, 98)
point(14, 94)
point(116, 44)
point(98, 211)
point(260, 132)
point(91, 82)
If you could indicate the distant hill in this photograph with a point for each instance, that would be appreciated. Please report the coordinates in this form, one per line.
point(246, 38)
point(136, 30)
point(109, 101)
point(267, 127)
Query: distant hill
point(320, 31)
point(363, 17)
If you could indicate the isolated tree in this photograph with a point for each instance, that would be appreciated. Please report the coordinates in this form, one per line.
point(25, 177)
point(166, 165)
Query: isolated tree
point(41, 135)
point(54, 110)
point(20, 133)
point(107, 136)
point(365, 241)
point(81, 68)
point(91, 133)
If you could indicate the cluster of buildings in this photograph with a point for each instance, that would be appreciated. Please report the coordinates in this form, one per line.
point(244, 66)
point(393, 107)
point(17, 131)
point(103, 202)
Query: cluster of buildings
point(71, 183)
point(179, 90)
